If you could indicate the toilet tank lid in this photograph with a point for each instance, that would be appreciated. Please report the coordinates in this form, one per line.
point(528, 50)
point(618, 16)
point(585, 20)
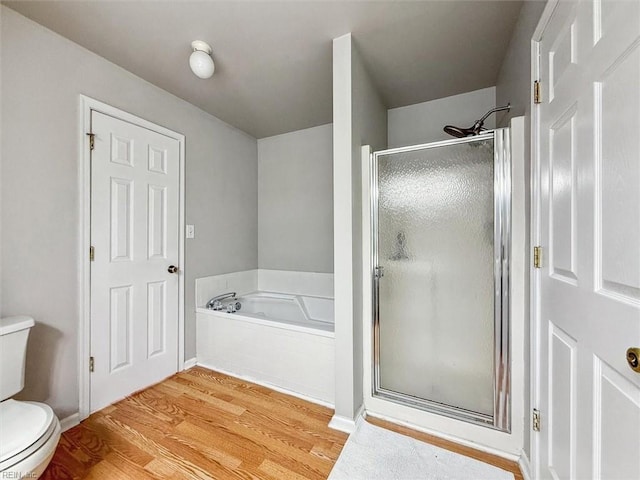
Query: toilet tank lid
point(14, 324)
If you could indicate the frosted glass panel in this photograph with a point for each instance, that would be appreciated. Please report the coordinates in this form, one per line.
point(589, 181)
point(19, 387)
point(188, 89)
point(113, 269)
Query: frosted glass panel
point(436, 298)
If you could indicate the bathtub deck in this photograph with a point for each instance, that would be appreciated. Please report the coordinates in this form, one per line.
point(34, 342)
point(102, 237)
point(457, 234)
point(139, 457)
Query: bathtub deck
point(201, 424)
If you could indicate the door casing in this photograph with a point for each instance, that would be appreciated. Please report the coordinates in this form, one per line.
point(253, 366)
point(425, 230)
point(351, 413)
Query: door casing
point(534, 281)
point(87, 105)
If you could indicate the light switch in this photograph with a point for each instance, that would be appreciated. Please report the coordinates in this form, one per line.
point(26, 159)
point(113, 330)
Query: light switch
point(191, 231)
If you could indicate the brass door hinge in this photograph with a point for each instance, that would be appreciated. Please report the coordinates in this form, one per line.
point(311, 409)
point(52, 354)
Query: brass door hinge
point(92, 143)
point(537, 98)
point(536, 420)
point(92, 253)
point(92, 364)
point(537, 254)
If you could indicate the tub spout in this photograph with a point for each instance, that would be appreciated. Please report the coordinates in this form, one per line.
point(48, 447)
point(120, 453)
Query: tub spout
point(216, 302)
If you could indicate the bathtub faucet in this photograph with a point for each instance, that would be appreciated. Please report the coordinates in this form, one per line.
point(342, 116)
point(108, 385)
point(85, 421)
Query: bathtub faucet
point(216, 302)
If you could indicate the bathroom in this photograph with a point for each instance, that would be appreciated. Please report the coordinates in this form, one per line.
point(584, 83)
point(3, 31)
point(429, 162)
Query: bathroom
point(270, 213)
point(281, 207)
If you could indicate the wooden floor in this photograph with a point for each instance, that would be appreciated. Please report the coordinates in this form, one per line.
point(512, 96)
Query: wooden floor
point(201, 424)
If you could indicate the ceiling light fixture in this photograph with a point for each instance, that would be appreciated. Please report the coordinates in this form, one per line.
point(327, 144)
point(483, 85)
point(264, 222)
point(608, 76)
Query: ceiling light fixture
point(200, 60)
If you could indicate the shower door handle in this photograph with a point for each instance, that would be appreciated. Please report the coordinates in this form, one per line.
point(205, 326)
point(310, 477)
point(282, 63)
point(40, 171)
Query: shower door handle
point(378, 272)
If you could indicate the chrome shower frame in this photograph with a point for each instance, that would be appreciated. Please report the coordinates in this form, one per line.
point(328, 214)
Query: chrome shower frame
point(501, 418)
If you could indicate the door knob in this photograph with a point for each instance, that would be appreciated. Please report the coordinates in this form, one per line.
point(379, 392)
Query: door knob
point(633, 358)
point(172, 269)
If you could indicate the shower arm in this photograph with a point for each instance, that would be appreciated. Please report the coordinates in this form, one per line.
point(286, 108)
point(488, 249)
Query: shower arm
point(479, 123)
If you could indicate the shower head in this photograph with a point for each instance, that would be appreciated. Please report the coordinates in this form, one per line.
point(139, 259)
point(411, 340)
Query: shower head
point(458, 132)
point(476, 128)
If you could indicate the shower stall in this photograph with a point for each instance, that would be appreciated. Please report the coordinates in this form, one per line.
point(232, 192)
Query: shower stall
point(440, 226)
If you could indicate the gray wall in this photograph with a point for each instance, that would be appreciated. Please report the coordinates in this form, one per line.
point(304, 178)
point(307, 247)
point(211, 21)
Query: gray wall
point(295, 200)
point(514, 85)
point(359, 118)
point(514, 80)
point(369, 127)
point(42, 77)
point(423, 122)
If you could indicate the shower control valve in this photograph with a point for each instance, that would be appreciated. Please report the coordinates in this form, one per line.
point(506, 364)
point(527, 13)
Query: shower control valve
point(217, 305)
point(233, 307)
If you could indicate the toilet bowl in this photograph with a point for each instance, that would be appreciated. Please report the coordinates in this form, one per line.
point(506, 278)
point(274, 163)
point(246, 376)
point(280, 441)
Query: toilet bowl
point(29, 431)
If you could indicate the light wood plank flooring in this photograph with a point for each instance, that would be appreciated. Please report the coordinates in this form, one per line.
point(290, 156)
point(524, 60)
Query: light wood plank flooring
point(201, 424)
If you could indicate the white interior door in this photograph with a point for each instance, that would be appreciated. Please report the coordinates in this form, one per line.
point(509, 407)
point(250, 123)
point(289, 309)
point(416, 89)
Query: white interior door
point(134, 232)
point(589, 283)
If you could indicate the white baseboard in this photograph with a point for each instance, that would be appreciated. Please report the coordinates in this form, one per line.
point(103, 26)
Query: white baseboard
point(192, 362)
point(268, 385)
point(70, 421)
point(346, 424)
point(525, 466)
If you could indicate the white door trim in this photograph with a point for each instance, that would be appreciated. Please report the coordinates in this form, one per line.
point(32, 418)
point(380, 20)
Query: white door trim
point(87, 105)
point(535, 340)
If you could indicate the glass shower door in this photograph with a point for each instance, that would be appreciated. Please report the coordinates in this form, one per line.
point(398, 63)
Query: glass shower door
point(438, 289)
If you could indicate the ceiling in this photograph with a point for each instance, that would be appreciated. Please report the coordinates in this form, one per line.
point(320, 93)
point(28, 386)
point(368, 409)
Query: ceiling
point(273, 58)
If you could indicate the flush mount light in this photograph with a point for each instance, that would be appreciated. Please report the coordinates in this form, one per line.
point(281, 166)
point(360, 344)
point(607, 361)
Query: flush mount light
point(200, 60)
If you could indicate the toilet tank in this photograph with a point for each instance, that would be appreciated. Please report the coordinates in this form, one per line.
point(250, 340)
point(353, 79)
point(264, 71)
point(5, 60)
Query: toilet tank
point(14, 332)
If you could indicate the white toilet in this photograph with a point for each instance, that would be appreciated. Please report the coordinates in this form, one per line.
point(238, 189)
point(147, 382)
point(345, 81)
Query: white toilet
point(29, 431)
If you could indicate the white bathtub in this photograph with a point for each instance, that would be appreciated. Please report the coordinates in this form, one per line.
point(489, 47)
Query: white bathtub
point(279, 340)
point(297, 312)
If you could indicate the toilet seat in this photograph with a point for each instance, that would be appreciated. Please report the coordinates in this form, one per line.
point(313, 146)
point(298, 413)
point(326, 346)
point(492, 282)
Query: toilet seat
point(25, 427)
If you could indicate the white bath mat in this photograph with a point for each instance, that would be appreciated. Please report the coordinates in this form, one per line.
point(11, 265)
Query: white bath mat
point(373, 453)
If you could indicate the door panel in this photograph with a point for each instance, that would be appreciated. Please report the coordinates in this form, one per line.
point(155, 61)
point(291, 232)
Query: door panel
point(121, 218)
point(562, 404)
point(134, 230)
point(120, 327)
point(617, 417)
point(617, 100)
point(589, 283)
point(157, 232)
point(435, 242)
point(562, 197)
point(156, 332)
